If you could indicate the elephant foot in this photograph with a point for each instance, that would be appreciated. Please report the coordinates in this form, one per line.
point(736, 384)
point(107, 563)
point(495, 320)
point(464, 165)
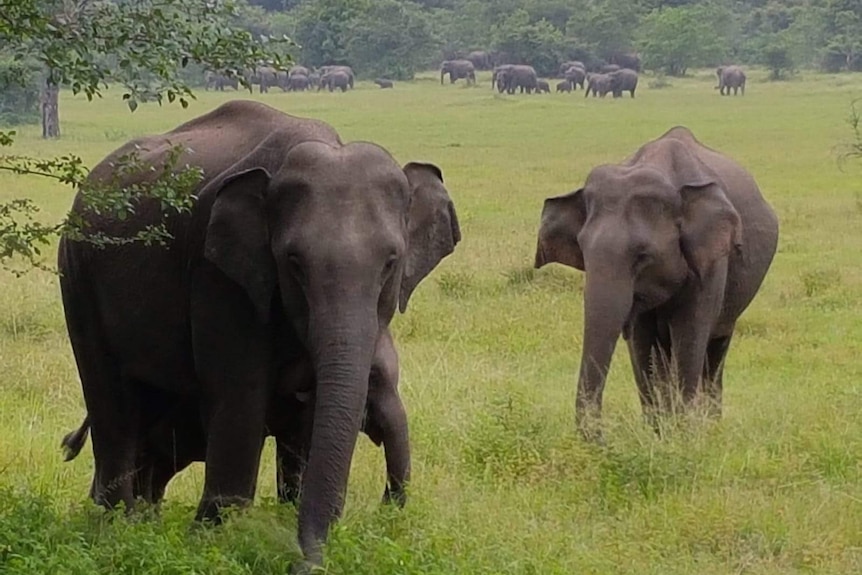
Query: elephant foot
point(214, 511)
point(303, 567)
point(397, 496)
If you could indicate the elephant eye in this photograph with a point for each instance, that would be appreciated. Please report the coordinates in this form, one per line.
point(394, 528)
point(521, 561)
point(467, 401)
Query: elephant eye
point(642, 260)
point(390, 264)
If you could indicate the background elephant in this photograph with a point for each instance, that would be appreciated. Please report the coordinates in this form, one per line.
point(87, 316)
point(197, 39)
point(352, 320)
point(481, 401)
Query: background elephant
point(215, 81)
point(630, 60)
point(314, 80)
point(458, 69)
point(542, 87)
point(623, 80)
point(564, 86)
point(351, 77)
point(480, 58)
point(334, 79)
point(598, 84)
point(608, 68)
point(265, 77)
point(675, 243)
point(496, 76)
point(518, 77)
point(298, 70)
point(730, 77)
point(297, 83)
point(255, 281)
point(384, 83)
point(564, 67)
point(576, 75)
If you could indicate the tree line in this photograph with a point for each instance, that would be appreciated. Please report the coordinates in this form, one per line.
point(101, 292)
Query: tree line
point(397, 38)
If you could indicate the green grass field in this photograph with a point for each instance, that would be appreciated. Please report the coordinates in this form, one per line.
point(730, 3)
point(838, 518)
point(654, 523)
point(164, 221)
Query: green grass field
point(489, 354)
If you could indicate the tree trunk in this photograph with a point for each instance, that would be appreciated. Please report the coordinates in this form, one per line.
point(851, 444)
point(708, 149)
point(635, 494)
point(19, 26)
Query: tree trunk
point(50, 110)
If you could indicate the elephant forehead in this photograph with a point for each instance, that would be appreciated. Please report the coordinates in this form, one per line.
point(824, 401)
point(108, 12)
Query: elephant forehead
point(618, 182)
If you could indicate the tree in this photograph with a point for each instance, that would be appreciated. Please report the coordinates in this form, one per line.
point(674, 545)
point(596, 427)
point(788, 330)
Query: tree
point(140, 45)
point(674, 39)
point(776, 55)
point(537, 43)
point(322, 28)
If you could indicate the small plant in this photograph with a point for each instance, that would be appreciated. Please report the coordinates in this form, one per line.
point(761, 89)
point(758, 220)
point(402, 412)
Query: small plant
point(456, 285)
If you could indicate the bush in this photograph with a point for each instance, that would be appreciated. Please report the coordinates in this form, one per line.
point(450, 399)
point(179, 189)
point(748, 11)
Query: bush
point(19, 92)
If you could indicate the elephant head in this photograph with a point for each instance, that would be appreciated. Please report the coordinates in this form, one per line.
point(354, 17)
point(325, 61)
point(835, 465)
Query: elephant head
point(337, 237)
point(639, 234)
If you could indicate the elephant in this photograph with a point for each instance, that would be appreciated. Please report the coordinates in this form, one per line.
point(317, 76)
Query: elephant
point(623, 80)
point(518, 77)
point(564, 67)
point(480, 59)
point(334, 79)
point(384, 83)
point(495, 76)
point(298, 70)
point(344, 69)
point(564, 86)
point(177, 439)
point(297, 83)
point(215, 81)
point(730, 77)
point(458, 69)
point(542, 87)
point(576, 76)
point(675, 242)
point(608, 68)
point(598, 84)
point(314, 80)
point(632, 61)
point(265, 77)
point(294, 256)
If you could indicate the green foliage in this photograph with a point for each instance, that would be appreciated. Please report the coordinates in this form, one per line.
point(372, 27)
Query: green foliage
point(538, 43)
point(675, 39)
point(19, 92)
point(322, 29)
point(776, 55)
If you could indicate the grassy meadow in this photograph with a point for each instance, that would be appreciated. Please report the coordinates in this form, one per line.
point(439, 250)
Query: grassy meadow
point(489, 356)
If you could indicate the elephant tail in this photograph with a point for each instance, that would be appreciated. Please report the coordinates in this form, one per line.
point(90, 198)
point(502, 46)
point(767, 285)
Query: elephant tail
point(74, 441)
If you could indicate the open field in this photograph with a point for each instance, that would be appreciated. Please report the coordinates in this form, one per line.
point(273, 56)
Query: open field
point(489, 354)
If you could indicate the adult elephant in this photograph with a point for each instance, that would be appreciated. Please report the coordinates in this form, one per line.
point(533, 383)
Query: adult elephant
point(497, 73)
point(480, 58)
point(334, 79)
point(608, 68)
point(297, 83)
point(730, 77)
point(598, 85)
point(564, 67)
point(298, 70)
point(576, 76)
point(629, 60)
point(458, 69)
point(216, 81)
point(623, 80)
point(675, 243)
point(296, 253)
point(519, 78)
point(351, 77)
point(265, 77)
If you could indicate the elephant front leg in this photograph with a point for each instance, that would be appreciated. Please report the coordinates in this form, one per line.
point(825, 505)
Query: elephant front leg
point(386, 421)
point(650, 358)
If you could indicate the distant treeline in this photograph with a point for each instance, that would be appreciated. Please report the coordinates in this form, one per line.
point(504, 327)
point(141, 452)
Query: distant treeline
point(396, 38)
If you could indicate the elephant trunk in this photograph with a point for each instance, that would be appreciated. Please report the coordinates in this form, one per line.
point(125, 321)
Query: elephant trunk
point(342, 346)
point(608, 299)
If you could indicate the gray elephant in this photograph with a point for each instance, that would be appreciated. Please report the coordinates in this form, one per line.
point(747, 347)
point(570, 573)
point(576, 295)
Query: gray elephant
point(384, 83)
point(675, 243)
point(458, 69)
point(314, 80)
point(730, 77)
point(564, 86)
point(351, 77)
point(481, 59)
point(259, 278)
point(298, 70)
point(542, 87)
point(519, 78)
point(496, 75)
point(334, 79)
point(623, 80)
point(216, 81)
point(576, 75)
point(297, 83)
point(598, 85)
point(608, 68)
point(265, 77)
point(564, 67)
point(629, 60)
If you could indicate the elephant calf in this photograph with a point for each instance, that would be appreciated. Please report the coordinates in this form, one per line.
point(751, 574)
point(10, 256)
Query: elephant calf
point(383, 83)
point(564, 86)
point(542, 87)
point(675, 242)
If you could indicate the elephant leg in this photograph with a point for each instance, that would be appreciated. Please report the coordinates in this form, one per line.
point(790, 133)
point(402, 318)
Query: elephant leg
point(292, 446)
point(649, 350)
point(716, 352)
point(386, 421)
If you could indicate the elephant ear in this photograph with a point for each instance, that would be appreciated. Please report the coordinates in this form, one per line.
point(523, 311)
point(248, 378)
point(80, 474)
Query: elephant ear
point(562, 220)
point(432, 226)
point(237, 238)
point(710, 227)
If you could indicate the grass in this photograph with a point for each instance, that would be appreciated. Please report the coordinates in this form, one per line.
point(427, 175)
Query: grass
point(489, 351)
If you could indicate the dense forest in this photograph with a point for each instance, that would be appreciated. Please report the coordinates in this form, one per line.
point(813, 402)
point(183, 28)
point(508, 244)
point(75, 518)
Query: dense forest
point(396, 38)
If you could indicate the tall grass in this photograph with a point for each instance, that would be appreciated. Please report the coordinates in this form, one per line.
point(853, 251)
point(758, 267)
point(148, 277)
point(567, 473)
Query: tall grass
point(489, 351)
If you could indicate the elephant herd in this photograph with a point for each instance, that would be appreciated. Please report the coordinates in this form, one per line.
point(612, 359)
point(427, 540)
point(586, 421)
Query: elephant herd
point(296, 79)
point(267, 313)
